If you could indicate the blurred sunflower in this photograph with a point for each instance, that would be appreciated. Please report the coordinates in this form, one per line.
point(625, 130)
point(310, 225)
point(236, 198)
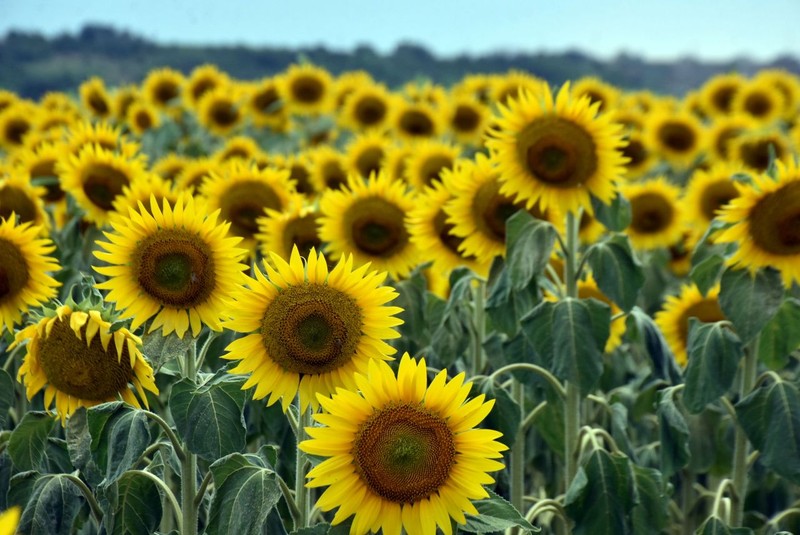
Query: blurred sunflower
point(202, 79)
point(18, 196)
point(680, 254)
point(328, 169)
point(141, 117)
point(9, 520)
point(415, 120)
point(172, 262)
point(425, 92)
point(598, 91)
point(726, 128)
point(347, 83)
point(679, 137)
point(307, 90)
point(265, 103)
point(122, 99)
point(163, 88)
point(787, 84)
point(24, 264)
point(16, 121)
point(84, 134)
point(170, 166)
point(468, 119)
point(510, 85)
point(243, 148)
point(707, 192)
point(366, 108)
point(219, 110)
point(656, 215)
point(367, 219)
point(557, 152)
point(476, 86)
point(366, 153)
point(7, 98)
point(95, 98)
point(760, 100)
point(765, 223)
point(296, 226)
point(427, 160)
point(673, 319)
point(308, 331)
point(195, 172)
point(57, 101)
point(396, 157)
point(39, 165)
point(140, 191)
point(718, 92)
point(299, 167)
point(402, 454)
point(640, 157)
point(71, 356)
point(753, 148)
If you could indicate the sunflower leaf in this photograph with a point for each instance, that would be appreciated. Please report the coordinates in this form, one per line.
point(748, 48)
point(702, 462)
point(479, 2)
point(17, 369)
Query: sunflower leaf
point(781, 335)
point(134, 505)
point(673, 433)
point(53, 504)
point(529, 242)
point(7, 396)
point(750, 300)
point(650, 514)
point(27, 445)
point(714, 353)
point(120, 434)
point(615, 216)
point(616, 270)
point(706, 273)
point(495, 514)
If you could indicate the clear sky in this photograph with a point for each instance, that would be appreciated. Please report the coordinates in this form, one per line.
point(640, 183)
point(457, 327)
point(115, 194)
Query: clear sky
point(652, 29)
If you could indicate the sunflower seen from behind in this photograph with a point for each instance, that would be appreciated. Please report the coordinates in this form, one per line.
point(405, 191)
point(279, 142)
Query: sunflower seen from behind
point(403, 454)
point(172, 262)
point(308, 330)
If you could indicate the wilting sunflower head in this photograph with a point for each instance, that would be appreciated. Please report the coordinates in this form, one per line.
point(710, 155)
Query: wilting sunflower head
point(328, 169)
point(673, 319)
point(765, 223)
point(307, 330)
point(16, 122)
point(678, 136)
point(80, 361)
point(557, 152)
point(717, 93)
point(598, 91)
point(366, 108)
point(220, 111)
point(366, 153)
point(760, 100)
point(725, 129)
point(656, 219)
point(202, 79)
point(95, 98)
point(18, 196)
point(402, 453)
point(308, 90)
point(141, 117)
point(174, 262)
point(753, 149)
point(415, 120)
point(24, 266)
point(367, 219)
point(163, 88)
point(427, 160)
point(708, 192)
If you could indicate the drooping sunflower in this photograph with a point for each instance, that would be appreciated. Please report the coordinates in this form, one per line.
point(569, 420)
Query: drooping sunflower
point(309, 331)
point(367, 219)
point(673, 319)
point(24, 267)
point(142, 116)
point(16, 121)
point(366, 153)
point(718, 92)
point(265, 103)
point(202, 79)
point(328, 169)
point(726, 128)
point(415, 120)
point(71, 356)
point(557, 152)
point(220, 110)
point(427, 160)
point(163, 88)
point(765, 223)
point(172, 262)
point(598, 91)
point(678, 136)
point(403, 454)
point(656, 214)
point(95, 98)
point(752, 148)
point(760, 100)
point(366, 108)
point(707, 192)
point(296, 226)
point(468, 118)
point(9, 520)
point(308, 90)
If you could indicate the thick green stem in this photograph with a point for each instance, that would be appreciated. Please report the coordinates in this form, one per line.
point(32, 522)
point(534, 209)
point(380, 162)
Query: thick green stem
point(748, 380)
point(97, 512)
point(189, 462)
point(479, 298)
point(572, 409)
point(301, 468)
point(518, 452)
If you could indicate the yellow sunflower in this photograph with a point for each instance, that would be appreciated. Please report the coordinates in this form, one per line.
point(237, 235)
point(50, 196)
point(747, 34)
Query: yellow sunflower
point(17, 121)
point(680, 254)
point(718, 92)
point(366, 108)
point(477, 86)
point(7, 98)
point(71, 356)
point(640, 157)
point(367, 219)
point(95, 98)
point(140, 191)
point(656, 214)
point(123, 98)
point(219, 110)
point(242, 148)
point(296, 226)
point(512, 84)
point(195, 173)
point(328, 169)
point(308, 90)
point(141, 117)
point(760, 100)
point(788, 85)
point(83, 134)
point(308, 331)
point(678, 136)
point(427, 160)
point(726, 128)
point(752, 149)
point(707, 192)
point(172, 262)
point(347, 83)
point(202, 79)
point(426, 92)
point(170, 166)
point(18, 196)
point(765, 223)
point(403, 454)
point(366, 153)
point(396, 157)
point(557, 152)
point(163, 88)
point(24, 264)
point(58, 100)
point(53, 122)
point(598, 91)
point(9, 520)
point(265, 103)
point(39, 165)
point(415, 120)
point(673, 319)
point(467, 119)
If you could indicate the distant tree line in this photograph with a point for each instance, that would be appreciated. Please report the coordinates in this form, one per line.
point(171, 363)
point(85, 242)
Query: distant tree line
point(31, 64)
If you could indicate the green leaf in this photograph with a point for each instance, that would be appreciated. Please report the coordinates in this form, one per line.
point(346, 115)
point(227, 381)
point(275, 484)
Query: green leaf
point(616, 270)
point(529, 244)
point(781, 336)
point(706, 273)
point(318, 529)
point(715, 526)
point(52, 507)
point(770, 416)
point(79, 446)
point(673, 434)
point(615, 216)
point(505, 307)
point(120, 434)
point(651, 514)
point(245, 493)
point(495, 514)
point(505, 415)
point(714, 353)
point(160, 349)
point(641, 328)
point(7, 395)
point(28, 443)
point(209, 417)
point(602, 495)
point(750, 300)
point(134, 505)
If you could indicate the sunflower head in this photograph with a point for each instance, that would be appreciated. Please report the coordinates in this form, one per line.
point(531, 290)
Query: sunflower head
point(679, 137)
point(266, 103)
point(754, 149)
point(415, 120)
point(366, 153)
point(16, 122)
point(512, 84)
point(656, 219)
point(468, 118)
point(328, 169)
point(163, 87)
point(219, 110)
point(673, 319)
point(203, 79)
point(242, 148)
point(760, 100)
point(709, 191)
point(717, 93)
point(281, 231)
point(598, 91)
point(9, 520)
point(18, 196)
point(170, 166)
point(427, 160)
point(725, 129)
point(195, 172)
point(141, 117)
point(366, 108)
point(95, 98)
point(307, 90)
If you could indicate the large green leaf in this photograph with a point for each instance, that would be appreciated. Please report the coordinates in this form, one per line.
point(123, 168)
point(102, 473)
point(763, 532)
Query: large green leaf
point(781, 335)
point(530, 242)
point(615, 216)
point(79, 446)
point(651, 513)
point(160, 349)
point(504, 306)
point(120, 434)
point(770, 416)
point(245, 493)
point(616, 270)
point(602, 495)
point(495, 514)
point(28, 443)
point(53, 504)
point(134, 505)
point(7, 394)
point(714, 353)
point(209, 417)
point(750, 300)
point(673, 433)
point(706, 273)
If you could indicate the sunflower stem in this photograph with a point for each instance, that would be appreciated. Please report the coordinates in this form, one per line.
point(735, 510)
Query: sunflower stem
point(168, 493)
point(291, 504)
point(518, 453)
point(572, 412)
point(189, 463)
point(97, 512)
point(301, 464)
point(748, 379)
point(212, 335)
point(479, 298)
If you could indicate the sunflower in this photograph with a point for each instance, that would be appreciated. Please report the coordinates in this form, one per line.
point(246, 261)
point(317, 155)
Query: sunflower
point(7, 98)
point(195, 173)
point(366, 153)
point(598, 91)
point(760, 100)
point(415, 120)
point(39, 165)
point(403, 454)
point(308, 331)
point(640, 157)
point(308, 90)
point(557, 152)
point(53, 123)
point(18, 196)
point(427, 160)
point(16, 121)
point(680, 253)
point(242, 148)
point(366, 108)
point(707, 192)
point(83, 134)
point(656, 215)
point(171, 262)
point(678, 136)
point(219, 111)
point(468, 118)
point(512, 84)
point(631, 119)
point(58, 100)
point(163, 88)
point(347, 83)
point(170, 166)
point(765, 222)
point(202, 79)
point(752, 149)
point(281, 231)
point(477, 86)
point(718, 92)
point(299, 167)
point(242, 194)
point(367, 219)
point(673, 319)
point(265, 103)
point(139, 192)
point(328, 169)
point(123, 98)
point(95, 98)
point(71, 356)
point(96, 176)
point(726, 128)
point(9, 520)
point(24, 263)
point(142, 116)
point(787, 84)
point(397, 155)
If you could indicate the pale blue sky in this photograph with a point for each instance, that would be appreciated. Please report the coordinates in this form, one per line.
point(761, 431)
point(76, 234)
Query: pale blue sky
point(653, 29)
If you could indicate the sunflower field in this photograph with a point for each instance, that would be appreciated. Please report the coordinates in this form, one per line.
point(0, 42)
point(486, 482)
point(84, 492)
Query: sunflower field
point(312, 304)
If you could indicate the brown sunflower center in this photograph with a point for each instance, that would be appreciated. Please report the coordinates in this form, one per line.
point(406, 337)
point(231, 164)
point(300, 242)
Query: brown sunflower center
point(775, 221)
point(465, 119)
point(201, 87)
point(311, 328)
point(650, 213)
point(432, 166)
point(334, 175)
point(175, 267)
point(558, 152)
point(707, 311)
point(13, 270)
point(723, 97)
point(636, 153)
point(755, 154)
point(308, 89)
point(244, 202)
point(369, 160)
point(716, 195)
point(416, 123)
point(166, 91)
point(16, 129)
point(444, 230)
point(86, 372)
point(223, 113)
point(47, 169)
point(723, 139)
point(102, 183)
point(98, 104)
point(758, 104)
point(143, 120)
point(17, 201)
point(491, 209)
point(404, 453)
point(677, 136)
point(377, 227)
point(265, 99)
point(302, 232)
point(370, 111)
point(302, 178)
